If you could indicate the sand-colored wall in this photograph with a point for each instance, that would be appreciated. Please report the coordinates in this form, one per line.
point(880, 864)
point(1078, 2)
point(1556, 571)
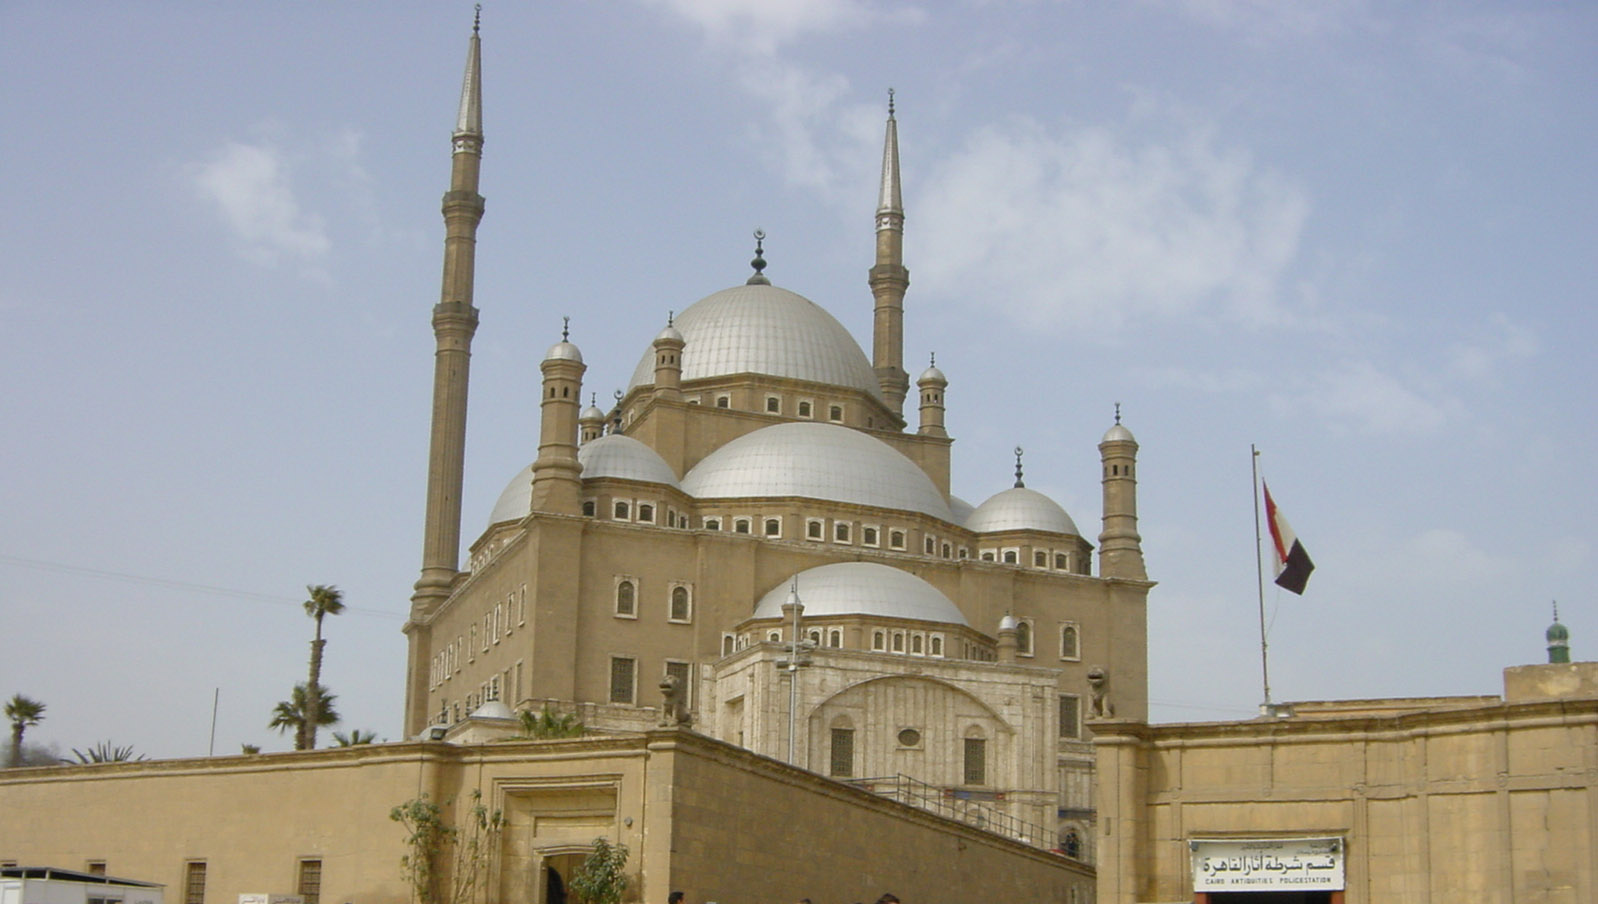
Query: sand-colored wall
point(1492, 803)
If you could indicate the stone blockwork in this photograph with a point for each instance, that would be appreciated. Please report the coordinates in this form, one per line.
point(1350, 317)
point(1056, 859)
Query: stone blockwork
point(713, 820)
point(1450, 799)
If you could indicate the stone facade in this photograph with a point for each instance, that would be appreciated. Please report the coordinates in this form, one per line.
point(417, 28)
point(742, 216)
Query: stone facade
point(1445, 799)
point(710, 819)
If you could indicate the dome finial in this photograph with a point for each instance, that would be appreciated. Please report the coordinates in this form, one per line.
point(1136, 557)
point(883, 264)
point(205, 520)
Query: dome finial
point(890, 103)
point(1018, 453)
point(1118, 412)
point(759, 263)
point(671, 318)
point(932, 359)
point(477, 19)
point(565, 329)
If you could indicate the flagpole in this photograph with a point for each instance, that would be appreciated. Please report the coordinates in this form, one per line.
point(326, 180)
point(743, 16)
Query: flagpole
point(1259, 581)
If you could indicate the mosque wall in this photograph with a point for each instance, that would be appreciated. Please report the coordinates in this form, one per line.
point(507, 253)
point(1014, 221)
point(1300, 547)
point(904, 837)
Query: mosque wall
point(718, 822)
point(1447, 800)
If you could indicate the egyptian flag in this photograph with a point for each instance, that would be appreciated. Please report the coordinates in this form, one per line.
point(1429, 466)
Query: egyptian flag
point(1292, 562)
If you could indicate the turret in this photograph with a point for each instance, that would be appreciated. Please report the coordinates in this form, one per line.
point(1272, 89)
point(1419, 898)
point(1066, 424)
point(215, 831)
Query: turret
point(1558, 640)
point(1120, 547)
point(668, 363)
point(1009, 640)
point(889, 278)
point(454, 323)
point(557, 475)
point(591, 424)
point(932, 383)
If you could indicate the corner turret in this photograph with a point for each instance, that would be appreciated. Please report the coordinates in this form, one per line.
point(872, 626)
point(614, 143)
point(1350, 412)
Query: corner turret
point(1120, 546)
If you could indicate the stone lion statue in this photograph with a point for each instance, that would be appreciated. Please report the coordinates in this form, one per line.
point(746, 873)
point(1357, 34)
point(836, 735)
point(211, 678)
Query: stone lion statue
point(1099, 705)
point(674, 703)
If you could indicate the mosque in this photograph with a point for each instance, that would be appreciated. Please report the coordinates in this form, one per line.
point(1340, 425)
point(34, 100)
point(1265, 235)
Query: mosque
point(757, 520)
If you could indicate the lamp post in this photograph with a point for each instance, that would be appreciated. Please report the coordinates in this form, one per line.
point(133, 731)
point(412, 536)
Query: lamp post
point(797, 648)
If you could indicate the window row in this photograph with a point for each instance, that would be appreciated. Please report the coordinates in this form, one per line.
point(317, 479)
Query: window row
point(624, 678)
point(1070, 638)
point(679, 599)
point(308, 881)
point(637, 511)
point(1056, 560)
point(912, 643)
point(776, 404)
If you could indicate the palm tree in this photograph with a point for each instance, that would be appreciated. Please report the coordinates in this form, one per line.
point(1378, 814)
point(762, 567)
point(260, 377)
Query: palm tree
point(293, 713)
point(355, 738)
point(23, 713)
point(104, 752)
point(325, 600)
point(546, 725)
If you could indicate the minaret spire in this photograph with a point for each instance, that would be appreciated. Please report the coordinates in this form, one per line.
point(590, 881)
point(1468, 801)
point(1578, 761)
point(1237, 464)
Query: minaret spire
point(889, 278)
point(454, 323)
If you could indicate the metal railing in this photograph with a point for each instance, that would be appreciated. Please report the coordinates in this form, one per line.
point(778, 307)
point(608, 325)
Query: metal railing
point(960, 805)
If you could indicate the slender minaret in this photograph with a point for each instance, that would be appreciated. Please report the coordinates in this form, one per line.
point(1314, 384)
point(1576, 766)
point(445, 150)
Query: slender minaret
point(1120, 547)
point(557, 474)
point(668, 362)
point(454, 322)
point(889, 278)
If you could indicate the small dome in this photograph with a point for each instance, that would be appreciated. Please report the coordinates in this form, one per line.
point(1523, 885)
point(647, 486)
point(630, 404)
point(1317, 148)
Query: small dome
point(516, 501)
point(1009, 623)
point(493, 709)
point(563, 351)
point(625, 458)
point(669, 334)
point(1118, 433)
point(816, 461)
point(592, 413)
point(1558, 633)
point(932, 375)
point(1019, 508)
point(863, 588)
point(765, 330)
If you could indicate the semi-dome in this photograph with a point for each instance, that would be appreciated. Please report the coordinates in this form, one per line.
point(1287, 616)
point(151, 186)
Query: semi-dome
point(765, 330)
point(608, 456)
point(816, 461)
point(625, 458)
point(1019, 508)
point(863, 588)
point(962, 509)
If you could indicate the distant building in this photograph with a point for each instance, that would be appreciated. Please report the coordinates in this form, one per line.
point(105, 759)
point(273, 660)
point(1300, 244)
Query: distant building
point(1356, 801)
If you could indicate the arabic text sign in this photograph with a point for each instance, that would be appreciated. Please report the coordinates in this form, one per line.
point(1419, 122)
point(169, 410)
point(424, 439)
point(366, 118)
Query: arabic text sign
point(1267, 864)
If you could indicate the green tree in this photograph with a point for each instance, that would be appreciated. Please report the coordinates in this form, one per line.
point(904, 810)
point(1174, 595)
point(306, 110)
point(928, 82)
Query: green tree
point(104, 752)
point(355, 738)
point(290, 714)
point(325, 600)
point(24, 713)
point(431, 842)
point(547, 724)
point(601, 879)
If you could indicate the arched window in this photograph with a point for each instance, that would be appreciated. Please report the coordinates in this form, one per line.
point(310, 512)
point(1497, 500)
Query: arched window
point(681, 610)
point(1070, 643)
point(835, 638)
point(620, 511)
point(937, 645)
point(646, 512)
point(773, 527)
point(1072, 844)
point(813, 529)
point(896, 539)
point(626, 599)
point(976, 760)
point(915, 644)
point(1010, 557)
point(835, 413)
point(878, 640)
point(804, 409)
point(1023, 638)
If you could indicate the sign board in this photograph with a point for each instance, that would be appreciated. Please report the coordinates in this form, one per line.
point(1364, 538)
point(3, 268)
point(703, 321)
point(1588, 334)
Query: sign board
point(270, 899)
point(1267, 864)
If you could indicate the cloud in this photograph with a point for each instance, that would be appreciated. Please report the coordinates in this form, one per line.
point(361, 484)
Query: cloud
point(1264, 21)
point(760, 26)
point(1081, 228)
point(1373, 400)
point(1506, 341)
point(250, 186)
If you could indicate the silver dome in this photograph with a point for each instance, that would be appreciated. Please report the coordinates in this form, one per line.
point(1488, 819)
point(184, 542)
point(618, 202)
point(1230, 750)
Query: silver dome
point(670, 334)
point(962, 509)
point(765, 330)
point(863, 588)
point(608, 456)
point(816, 461)
point(1118, 433)
point(625, 458)
point(563, 351)
point(932, 375)
point(493, 709)
point(1019, 508)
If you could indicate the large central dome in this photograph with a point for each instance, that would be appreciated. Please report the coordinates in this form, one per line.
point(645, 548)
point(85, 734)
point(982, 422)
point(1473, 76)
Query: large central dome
point(765, 330)
point(816, 461)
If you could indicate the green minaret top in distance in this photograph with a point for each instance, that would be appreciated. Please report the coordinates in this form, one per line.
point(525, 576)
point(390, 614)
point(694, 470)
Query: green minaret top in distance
point(1558, 639)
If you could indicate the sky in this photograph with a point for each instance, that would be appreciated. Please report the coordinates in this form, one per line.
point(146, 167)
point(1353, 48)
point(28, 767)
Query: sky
point(1357, 235)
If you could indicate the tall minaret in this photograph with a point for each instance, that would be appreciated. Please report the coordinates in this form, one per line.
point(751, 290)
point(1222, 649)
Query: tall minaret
point(889, 278)
point(1120, 547)
point(454, 322)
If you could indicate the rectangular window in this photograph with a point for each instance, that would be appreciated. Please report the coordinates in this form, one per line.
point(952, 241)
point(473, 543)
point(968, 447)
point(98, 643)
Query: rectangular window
point(310, 884)
point(976, 761)
point(1070, 716)
point(683, 672)
point(194, 882)
point(842, 760)
point(499, 620)
point(621, 679)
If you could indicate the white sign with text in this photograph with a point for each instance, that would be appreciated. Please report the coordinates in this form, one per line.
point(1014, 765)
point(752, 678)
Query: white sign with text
point(1267, 864)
